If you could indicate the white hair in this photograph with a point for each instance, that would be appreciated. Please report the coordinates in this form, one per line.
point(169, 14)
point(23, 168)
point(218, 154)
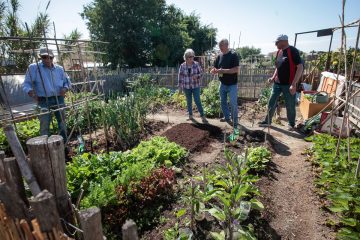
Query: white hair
point(224, 41)
point(188, 52)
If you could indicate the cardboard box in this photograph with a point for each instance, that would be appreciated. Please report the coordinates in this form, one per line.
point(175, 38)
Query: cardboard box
point(309, 109)
point(336, 126)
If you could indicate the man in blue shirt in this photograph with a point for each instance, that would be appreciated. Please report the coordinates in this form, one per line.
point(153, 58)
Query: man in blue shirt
point(47, 83)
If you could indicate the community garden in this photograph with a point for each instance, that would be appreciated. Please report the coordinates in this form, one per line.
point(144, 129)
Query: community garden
point(188, 180)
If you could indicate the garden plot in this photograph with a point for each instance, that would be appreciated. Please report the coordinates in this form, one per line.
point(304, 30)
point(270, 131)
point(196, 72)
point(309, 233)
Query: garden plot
point(194, 137)
point(183, 179)
point(291, 208)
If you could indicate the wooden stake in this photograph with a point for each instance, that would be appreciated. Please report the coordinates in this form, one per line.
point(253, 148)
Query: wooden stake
point(21, 159)
point(14, 178)
point(129, 231)
point(46, 213)
point(90, 221)
point(14, 206)
point(47, 159)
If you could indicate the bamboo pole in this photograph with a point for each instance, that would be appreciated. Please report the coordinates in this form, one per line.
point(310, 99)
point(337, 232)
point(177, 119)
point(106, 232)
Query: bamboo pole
point(357, 173)
point(2, 169)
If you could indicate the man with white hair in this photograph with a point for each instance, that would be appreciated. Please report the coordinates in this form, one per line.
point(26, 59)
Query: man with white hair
point(287, 73)
point(47, 83)
point(227, 67)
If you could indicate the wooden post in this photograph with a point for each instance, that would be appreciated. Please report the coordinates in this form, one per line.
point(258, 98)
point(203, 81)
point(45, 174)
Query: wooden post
point(14, 206)
point(129, 231)
point(90, 222)
point(47, 159)
point(13, 177)
point(2, 169)
point(45, 211)
point(21, 159)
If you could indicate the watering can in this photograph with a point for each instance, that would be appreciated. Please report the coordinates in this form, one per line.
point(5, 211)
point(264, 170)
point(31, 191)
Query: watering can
point(320, 97)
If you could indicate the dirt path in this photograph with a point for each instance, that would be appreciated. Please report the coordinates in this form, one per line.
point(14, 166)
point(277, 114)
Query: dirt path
point(292, 210)
point(292, 207)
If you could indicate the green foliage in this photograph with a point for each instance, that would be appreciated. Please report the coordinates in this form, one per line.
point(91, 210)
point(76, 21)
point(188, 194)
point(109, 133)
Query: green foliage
point(123, 116)
point(132, 184)
point(88, 170)
point(258, 158)
point(100, 194)
point(179, 100)
point(337, 181)
point(158, 150)
point(211, 100)
point(163, 96)
point(247, 52)
point(264, 96)
point(153, 32)
point(337, 61)
point(25, 131)
point(11, 25)
point(226, 192)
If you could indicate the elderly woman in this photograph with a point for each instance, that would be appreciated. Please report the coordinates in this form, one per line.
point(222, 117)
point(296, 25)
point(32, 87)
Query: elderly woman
point(189, 77)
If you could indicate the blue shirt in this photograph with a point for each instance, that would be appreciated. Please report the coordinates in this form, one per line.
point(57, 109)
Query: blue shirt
point(54, 78)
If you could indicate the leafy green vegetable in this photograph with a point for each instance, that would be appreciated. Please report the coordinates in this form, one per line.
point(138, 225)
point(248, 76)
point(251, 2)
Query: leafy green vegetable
point(258, 158)
point(337, 181)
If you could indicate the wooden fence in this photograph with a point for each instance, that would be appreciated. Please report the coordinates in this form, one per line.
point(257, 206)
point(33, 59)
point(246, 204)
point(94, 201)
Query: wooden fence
point(53, 216)
point(250, 81)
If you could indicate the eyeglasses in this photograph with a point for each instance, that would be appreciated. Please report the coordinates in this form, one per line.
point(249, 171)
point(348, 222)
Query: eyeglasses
point(190, 57)
point(45, 57)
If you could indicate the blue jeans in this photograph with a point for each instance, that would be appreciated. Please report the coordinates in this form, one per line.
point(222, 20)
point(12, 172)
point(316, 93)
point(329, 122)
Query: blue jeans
point(189, 93)
point(289, 102)
point(232, 91)
point(45, 119)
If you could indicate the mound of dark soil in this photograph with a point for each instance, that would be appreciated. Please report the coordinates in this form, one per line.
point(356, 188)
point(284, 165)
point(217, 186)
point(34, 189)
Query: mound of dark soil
point(194, 137)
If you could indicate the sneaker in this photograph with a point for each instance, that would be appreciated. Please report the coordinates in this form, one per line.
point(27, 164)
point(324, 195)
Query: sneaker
point(204, 120)
point(291, 128)
point(229, 122)
point(190, 118)
point(224, 120)
point(264, 123)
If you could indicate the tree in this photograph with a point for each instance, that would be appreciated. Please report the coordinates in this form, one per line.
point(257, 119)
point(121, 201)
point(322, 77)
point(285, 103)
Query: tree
point(246, 52)
point(169, 38)
point(152, 33)
point(11, 25)
point(203, 35)
point(126, 28)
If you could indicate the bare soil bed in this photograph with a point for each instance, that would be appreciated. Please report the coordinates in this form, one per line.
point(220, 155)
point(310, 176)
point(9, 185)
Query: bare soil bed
point(194, 137)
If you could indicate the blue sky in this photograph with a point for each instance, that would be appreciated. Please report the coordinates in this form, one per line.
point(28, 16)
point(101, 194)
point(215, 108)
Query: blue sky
point(259, 21)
